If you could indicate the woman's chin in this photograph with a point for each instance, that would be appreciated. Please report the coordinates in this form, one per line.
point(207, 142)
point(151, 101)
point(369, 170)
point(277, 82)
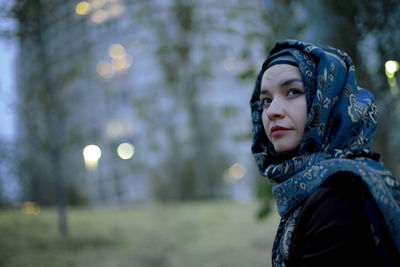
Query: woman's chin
point(285, 147)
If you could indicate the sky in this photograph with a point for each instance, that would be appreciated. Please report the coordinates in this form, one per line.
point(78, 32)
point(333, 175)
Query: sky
point(9, 184)
point(8, 51)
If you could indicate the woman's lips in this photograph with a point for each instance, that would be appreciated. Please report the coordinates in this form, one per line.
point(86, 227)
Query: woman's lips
point(278, 130)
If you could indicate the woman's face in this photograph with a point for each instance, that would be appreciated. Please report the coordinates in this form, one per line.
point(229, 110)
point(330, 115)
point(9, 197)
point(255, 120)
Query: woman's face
point(284, 106)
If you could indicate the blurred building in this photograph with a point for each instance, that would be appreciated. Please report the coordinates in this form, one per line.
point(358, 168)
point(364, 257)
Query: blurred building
point(103, 61)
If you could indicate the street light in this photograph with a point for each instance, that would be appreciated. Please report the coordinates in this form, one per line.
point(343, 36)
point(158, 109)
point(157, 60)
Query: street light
point(91, 155)
point(125, 150)
point(391, 67)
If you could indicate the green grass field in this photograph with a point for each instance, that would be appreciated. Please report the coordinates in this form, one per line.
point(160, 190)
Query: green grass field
point(207, 234)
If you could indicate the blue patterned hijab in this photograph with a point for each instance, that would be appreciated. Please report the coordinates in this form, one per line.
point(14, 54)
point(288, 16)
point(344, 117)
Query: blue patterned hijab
point(341, 121)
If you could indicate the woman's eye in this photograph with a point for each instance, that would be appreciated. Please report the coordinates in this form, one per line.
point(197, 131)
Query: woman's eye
point(294, 91)
point(266, 101)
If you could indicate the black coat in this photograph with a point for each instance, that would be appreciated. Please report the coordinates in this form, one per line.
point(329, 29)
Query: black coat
point(333, 229)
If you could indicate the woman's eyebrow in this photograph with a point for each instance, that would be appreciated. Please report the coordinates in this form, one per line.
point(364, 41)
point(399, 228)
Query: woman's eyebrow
point(289, 81)
point(265, 91)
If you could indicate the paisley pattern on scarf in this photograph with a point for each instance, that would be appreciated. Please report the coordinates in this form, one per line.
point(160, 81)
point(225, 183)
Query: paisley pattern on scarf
point(341, 122)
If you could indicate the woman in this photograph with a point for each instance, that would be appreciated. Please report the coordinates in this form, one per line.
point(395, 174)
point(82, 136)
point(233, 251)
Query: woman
point(312, 132)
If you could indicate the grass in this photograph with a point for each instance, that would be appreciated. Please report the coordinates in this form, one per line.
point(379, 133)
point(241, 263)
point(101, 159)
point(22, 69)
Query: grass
point(207, 234)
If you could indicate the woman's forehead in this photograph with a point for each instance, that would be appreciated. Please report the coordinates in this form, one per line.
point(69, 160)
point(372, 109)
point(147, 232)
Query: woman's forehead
point(277, 75)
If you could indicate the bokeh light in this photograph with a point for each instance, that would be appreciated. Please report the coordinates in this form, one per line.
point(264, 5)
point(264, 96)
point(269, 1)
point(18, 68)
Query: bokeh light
point(92, 152)
point(116, 9)
point(99, 16)
point(98, 3)
point(91, 155)
point(82, 8)
point(116, 51)
point(104, 69)
point(125, 150)
point(120, 60)
point(391, 67)
point(234, 173)
point(31, 208)
point(122, 63)
point(116, 129)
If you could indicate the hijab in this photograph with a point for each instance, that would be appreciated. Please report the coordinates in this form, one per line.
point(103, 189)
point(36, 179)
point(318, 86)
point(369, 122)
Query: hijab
point(341, 121)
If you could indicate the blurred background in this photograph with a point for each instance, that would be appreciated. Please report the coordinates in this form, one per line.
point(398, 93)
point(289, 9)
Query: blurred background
point(125, 127)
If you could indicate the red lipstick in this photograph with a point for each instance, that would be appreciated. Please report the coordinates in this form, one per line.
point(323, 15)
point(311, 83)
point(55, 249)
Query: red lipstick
point(278, 130)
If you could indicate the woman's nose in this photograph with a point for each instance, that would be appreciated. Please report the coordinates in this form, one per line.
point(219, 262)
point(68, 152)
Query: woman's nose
point(275, 109)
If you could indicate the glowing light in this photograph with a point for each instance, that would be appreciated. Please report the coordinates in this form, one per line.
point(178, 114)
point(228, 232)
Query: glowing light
point(98, 3)
point(234, 173)
point(122, 63)
point(82, 8)
point(391, 67)
point(99, 16)
point(91, 155)
point(118, 129)
point(115, 10)
point(92, 152)
point(125, 150)
point(115, 129)
point(116, 51)
point(104, 69)
point(31, 208)
point(120, 59)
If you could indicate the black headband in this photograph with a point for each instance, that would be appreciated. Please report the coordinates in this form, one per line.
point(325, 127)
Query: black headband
point(282, 59)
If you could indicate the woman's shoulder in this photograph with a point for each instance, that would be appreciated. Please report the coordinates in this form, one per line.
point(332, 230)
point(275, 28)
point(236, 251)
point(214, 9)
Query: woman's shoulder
point(333, 226)
point(341, 185)
point(336, 202)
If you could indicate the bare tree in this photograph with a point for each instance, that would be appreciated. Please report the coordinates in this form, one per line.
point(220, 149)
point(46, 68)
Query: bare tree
point(43, 107)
